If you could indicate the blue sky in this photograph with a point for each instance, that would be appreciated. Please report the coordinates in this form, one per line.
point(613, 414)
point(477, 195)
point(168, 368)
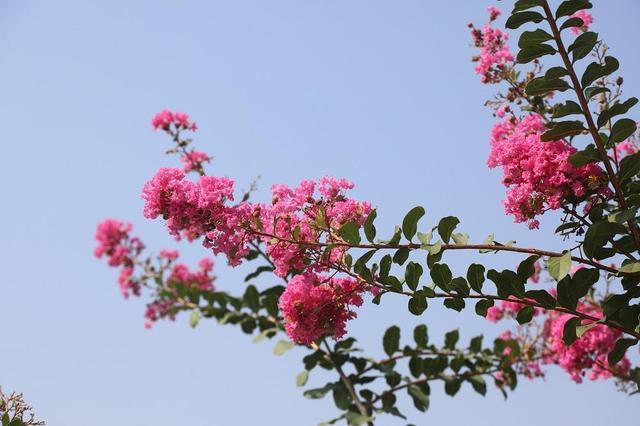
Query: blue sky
point(380, 92)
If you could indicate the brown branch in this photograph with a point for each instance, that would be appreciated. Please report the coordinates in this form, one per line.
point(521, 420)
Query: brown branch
point(347, 384)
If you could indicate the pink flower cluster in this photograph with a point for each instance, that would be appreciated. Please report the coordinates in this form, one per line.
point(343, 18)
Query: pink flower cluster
point(588, 354)
point(314, 306)
point(494, 51)
point(537, 174)
point(196, 209)
point(194, 160)
point(625, 148)
point(180, 278)
point(587, 20)
point(115, 242)
point(305, 214)
point(165, 118)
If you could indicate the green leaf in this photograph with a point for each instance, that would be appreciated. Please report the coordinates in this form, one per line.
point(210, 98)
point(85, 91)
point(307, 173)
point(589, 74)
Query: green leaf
point(369, 228)
point(570, 7)
point(526, 268)
point(251, 298)
point(571, 23)
point(356, 419)
point(622, 216)
point(541, 86)
point(425, 239)
point(283, 346)
point(555, 72)
point(350, 232)
point(542, 297)
point(595, 71)
point(533, 38)
point(630, 268)
point(421, 335)
point(401, 255)
point(521, 5)
point(583, 45)
point(410, 222)
point(560, 266)
point(528, 54)
point(598, 234)
point(520, 18)
point(488, 242)
point(194, 318)
point(478, 384)
point(341, 397)
point(420, 399)
point(569, 331)
point(616, 109)
point(475, 276)
point(629, 167)
point(525, 315)
point(619, 349)
point(455, 303)
point(588, 155)
point(259, 270)
point(302, 378)
point(483, 305)
point(622, 129)
point(417, 304)
point(412, 275)
point(452, 386)
point(592, 91)
point(460, 239)
point(441, 275)
point(264, 334)
point(446, 227)
point(319, 392)
point(562, 129)
point(568, 108)
point(451, 339)
point(391, 340)
point(476, 344)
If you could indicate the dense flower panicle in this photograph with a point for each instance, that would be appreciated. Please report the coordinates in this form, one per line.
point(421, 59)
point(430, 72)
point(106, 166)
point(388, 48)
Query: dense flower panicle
point(194, 161)
point(165, 118)
point(494, 51)
point(588, 354)
point(314, 306)
point(537, 174)
point(587, 20)
point(298, 214)
point(115, 242)
point(192, 209)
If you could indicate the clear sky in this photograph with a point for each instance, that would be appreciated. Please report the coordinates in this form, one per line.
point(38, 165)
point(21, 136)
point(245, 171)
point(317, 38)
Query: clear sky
point(380, 92)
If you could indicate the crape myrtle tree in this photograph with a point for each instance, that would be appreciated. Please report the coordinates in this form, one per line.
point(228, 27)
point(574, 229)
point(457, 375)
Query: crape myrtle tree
point(565, 144)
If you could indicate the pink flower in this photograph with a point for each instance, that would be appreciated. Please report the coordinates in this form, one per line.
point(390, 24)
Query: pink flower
point(315, 306)
point(115, 242)
point(194, 160)
point(625, 148)
point(165, 118)
point(494, 51)
point(537, 174)
point(494, 12)
point(169, 254)
point(588, 354)
point(587, 20)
